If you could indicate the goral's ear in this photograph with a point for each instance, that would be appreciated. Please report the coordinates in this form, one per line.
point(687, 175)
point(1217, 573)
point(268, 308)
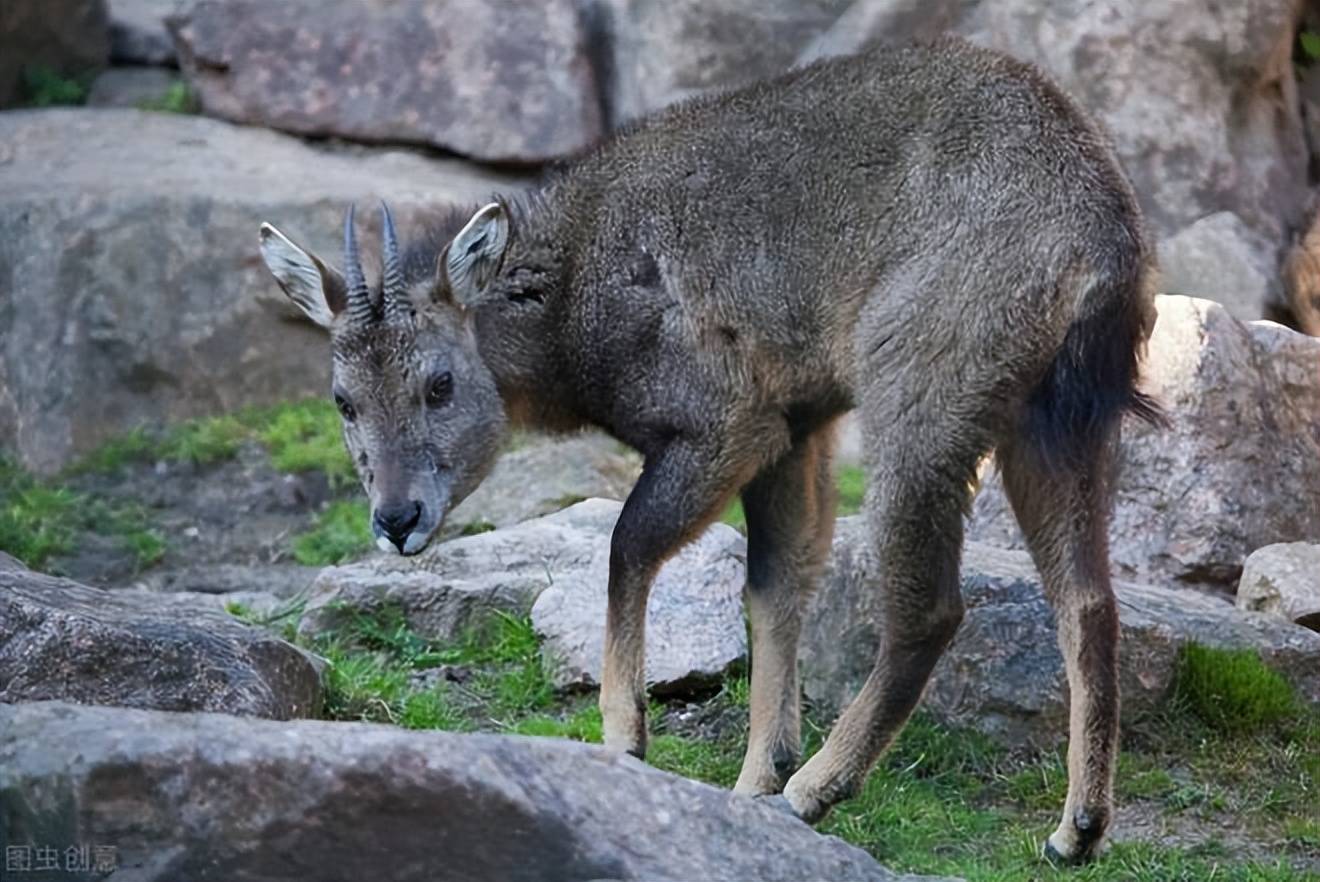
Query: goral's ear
point(318, 290)
point(472, 260)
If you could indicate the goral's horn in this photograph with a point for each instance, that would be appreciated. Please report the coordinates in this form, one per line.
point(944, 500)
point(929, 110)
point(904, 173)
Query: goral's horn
point(359, 298)
point(393, 295)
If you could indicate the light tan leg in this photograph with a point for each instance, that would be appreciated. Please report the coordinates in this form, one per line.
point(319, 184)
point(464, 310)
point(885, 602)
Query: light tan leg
point(1064, 511)
point(790, 521)
point(920, 466)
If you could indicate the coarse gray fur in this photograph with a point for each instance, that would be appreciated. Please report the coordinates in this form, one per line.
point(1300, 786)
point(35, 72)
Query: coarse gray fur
point(933, 235)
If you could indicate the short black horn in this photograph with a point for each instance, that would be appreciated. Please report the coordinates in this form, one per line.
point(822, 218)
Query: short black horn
point(359, 297)
point(392, 294)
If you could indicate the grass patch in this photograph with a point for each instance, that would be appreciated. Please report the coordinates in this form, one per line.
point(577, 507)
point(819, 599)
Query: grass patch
point(1232, 691)
point(341, 533)
point(178, 98)
point(375, 659)
point(45, 87)
point(300, 436)
point(41, 520)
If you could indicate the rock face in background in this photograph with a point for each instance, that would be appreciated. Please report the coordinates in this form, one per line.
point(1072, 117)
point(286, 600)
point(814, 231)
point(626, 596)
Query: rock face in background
point(221, 798)
point(655, 52)
point(137, 31)
point(61, 640)
point(1200, 97)
point(1238, 469)
point(1220, 258)
point(131, 87)
point(68, 37)
point(128, 240)
point(1283, 580)
point(1004, 673)
point(558, 568)
point(502, 81)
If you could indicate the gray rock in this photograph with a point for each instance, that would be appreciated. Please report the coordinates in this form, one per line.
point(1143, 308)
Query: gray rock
point(134, 288)
point(1220, 258)
point(1283, 580)
point(1003, 674)
point(215, 797)
point(1238, 469)
point(65, 641)
point(544, 475)
point(503, 81)
point(1200, 97)
point(694, 622)
point(284, 581)
point(655, 52)
point(555, 567)
point(131, 87)
point(137, 31)
point(69, 37)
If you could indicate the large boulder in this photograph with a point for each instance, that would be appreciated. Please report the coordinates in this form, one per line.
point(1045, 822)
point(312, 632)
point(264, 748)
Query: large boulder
point(503, 81)
point(557, 568)
point(1004, 674)
point(543, 475)
point(65, 641)
point(1283, 580)
point(655, 52)
point(70, 38)
point(216, 797)
point(1239, 467)
point(134, 290)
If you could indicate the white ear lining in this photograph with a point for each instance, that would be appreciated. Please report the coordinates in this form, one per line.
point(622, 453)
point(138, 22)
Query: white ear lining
point(298, 274)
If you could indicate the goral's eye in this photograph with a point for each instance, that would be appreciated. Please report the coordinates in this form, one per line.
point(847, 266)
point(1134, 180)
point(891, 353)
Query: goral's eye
point(439, 389)
point(345, 409)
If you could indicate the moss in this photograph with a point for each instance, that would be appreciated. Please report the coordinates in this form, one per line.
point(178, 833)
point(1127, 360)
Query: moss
point(177, 99)
point(45, 87)
point(1232, 691)
point(341, 533)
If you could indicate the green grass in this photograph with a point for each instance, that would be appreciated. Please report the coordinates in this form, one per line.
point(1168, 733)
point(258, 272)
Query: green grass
point(177, 99)
point(1232, 691)
point(300, 436)
point(849, 481)
point(341, 533)
point(46, 87)
point(40, 520)
point(373, 660)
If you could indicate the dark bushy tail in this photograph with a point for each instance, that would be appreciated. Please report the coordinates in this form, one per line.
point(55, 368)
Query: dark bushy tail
point(1093, 379)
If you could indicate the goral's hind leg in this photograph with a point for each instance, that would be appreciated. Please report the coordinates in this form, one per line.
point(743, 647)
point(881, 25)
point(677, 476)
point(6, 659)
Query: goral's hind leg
point(790, 520)
point(1063, 509)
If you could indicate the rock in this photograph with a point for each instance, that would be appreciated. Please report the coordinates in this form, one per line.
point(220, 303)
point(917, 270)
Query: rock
point(502, 81)
point(134, 288)
point(1003, 674)
point(65, 641)
point(556, 567)
point(68, 37)
point(138, 34)
point(694, 621)
point(1283, 580)
point(284, 580)
point(655, 52)
point(132, 87)
point(1202, 125)
point(220, 798)
point(1238, 469)
point(544, 475)
point(1222, 259)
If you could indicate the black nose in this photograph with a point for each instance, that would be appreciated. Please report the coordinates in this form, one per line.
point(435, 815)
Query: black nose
point(397, 521)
